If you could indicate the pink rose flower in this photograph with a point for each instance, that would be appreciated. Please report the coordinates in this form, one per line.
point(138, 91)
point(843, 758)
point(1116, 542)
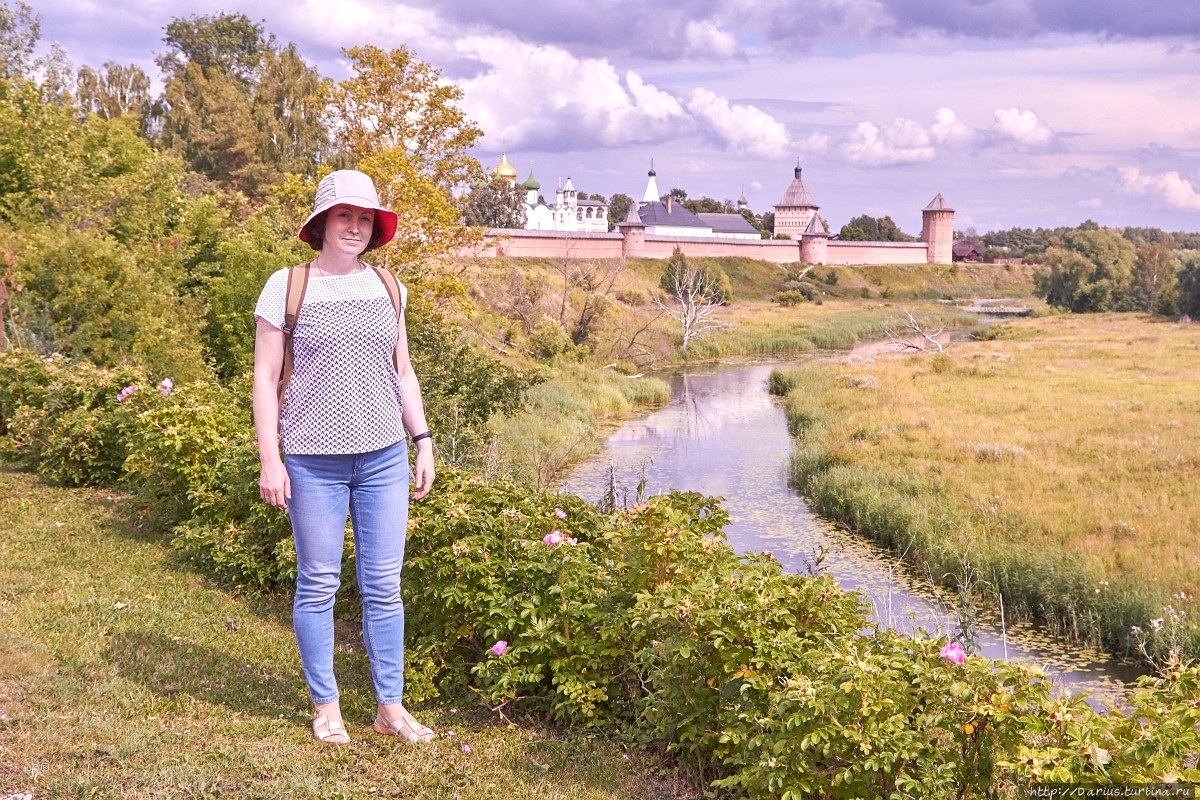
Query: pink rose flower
point(499, 648)
point(166, 386)
point(953, 652)
point(553, 538)
point(466, 748)
point(558, 512)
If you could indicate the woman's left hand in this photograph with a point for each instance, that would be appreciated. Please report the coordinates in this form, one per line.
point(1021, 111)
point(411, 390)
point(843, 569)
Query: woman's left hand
point(423, 473)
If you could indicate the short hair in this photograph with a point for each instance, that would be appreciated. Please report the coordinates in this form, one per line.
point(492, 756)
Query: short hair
point(316, 232)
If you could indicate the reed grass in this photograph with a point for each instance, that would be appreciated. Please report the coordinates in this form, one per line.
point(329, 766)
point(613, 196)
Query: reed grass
point(557, 425)
point(1059, 459)
point(757, 328)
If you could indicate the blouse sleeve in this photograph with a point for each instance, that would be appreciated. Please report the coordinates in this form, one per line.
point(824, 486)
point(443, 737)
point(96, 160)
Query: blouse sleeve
point(271, 302)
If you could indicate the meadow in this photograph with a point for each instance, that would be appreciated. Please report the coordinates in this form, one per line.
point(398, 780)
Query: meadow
point(1053, 462)
point(125, 673)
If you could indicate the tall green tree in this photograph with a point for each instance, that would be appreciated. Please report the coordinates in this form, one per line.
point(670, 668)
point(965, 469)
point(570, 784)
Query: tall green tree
point(209, 65)
point(393, 101)
point(397, 121)
point(618, 207)
point(20, 29)
point(1092, 271)
point(290, 112)
point(499, 204)
point(112, 91)
point(1153, 286)
point(238, 109)
point(866, 228)
point(1188, 278)
point(228, 43)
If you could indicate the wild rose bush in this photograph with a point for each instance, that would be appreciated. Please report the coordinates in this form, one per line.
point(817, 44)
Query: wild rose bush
point(642, 623)
point(64, 420)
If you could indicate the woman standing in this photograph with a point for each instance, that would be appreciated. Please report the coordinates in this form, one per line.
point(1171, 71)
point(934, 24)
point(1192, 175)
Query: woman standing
point(340, 424)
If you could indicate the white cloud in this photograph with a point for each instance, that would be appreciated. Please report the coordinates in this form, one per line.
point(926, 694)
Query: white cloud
point(1173, 189)
point(815, 142)
point(652, 100)
point(901, 142)
point(707, 40)
point(543, 95)
point(388, 26)
point(744, 128)
point(949, 129)
point(1022, 126)
point(1091, 202)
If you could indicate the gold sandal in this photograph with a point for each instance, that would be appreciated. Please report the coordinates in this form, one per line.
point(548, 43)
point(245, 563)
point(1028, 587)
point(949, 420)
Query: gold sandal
point(404, 731)
point(324, 731)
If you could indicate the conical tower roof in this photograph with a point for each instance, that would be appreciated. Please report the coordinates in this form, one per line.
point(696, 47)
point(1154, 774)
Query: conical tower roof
point(938, 204)
point(816, 227)
point(632, 218)
point(797, 195)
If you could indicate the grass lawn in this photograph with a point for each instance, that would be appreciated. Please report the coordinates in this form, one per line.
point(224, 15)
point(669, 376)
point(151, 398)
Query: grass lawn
point(1073, 436)
point(123, 673)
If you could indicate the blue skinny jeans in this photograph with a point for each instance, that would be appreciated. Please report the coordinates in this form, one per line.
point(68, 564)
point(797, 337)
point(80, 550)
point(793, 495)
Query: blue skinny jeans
point(374, 488)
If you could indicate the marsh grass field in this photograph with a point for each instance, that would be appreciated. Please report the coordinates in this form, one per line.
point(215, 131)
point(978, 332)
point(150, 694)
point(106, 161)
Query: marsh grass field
point(125, 673)
point(1055, 463)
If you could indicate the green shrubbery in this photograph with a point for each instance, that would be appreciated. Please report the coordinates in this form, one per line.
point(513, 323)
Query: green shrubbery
point(643, 622)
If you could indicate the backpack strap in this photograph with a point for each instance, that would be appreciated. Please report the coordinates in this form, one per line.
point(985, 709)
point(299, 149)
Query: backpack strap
point(391, 284)
point(297, 285)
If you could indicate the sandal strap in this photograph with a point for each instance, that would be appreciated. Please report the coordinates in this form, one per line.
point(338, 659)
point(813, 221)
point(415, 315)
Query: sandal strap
point(331, 729)
point(403, 730)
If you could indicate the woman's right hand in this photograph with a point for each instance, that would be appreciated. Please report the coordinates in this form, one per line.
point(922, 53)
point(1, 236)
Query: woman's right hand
point(274, 485)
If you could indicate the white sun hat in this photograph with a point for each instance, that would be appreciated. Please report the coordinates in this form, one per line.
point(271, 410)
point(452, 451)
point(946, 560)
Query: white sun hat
point(352, 188)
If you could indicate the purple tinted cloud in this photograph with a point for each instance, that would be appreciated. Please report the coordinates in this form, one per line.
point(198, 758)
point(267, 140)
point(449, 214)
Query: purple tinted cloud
point(664, 31)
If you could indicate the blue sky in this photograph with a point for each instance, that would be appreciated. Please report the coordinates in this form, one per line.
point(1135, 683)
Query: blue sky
point(1020, 112)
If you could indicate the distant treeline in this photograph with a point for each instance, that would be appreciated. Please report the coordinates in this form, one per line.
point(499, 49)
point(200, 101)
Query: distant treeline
point(1032, 243)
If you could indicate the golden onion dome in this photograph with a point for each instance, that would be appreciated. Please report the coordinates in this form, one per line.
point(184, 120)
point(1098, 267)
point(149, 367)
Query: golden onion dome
point(505, 170)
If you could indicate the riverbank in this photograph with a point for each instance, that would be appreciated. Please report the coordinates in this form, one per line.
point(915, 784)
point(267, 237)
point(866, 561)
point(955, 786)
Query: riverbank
point(566, 318)
point(1050, 465)
point(562, 418)
point(124, 673)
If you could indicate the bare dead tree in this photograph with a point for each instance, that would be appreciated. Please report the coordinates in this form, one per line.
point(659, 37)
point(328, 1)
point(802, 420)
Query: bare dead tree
point(525, 293)
point(691, 299)
point(569, 271)
point(922, 342)
point(632, 348)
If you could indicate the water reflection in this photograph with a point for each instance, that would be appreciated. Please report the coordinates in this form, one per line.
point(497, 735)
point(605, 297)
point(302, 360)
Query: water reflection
point(723, 435)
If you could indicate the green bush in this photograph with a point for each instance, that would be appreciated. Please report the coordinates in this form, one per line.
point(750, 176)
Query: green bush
point(791, 297)
point(71, 422)
point(549, 339)
point(25, 379)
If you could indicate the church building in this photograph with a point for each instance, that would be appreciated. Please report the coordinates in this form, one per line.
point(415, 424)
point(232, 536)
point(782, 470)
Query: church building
point(568, 213)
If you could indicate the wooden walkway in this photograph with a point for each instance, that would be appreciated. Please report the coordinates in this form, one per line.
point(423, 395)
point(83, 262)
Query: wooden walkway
point(1011, 311)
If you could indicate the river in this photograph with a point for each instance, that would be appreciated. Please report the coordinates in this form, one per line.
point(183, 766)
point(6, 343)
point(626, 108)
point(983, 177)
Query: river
point(722, 434)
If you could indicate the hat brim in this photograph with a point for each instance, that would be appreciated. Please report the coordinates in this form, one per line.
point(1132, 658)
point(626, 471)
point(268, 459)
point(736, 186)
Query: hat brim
point(385, 219)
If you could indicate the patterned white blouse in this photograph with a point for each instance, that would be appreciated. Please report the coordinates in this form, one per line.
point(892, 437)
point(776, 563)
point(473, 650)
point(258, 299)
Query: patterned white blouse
point(344, 395)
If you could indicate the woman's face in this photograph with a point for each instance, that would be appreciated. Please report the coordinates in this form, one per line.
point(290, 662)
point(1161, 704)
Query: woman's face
point(348, 229)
